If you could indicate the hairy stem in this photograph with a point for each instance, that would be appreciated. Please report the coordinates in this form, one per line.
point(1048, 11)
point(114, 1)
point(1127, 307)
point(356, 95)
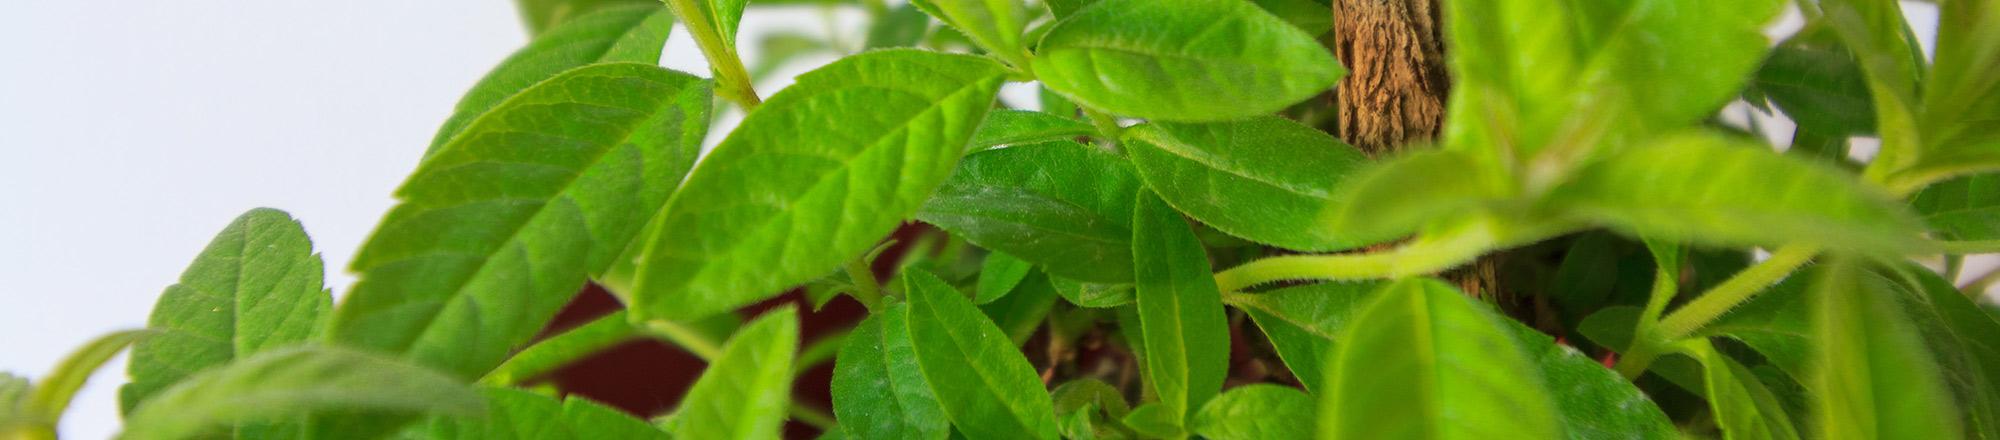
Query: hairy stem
point(732, 79)
point(1716, 301)
point(866, 288)
point(1423, 256)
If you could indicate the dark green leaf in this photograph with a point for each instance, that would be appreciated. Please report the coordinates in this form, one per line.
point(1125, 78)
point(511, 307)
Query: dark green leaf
point(1744, 409)
point(1189, 60)
point(744, 392)
point(1965, 208)
point(497, 230)
point(1819, 84)
point(1010, 127)
point(290, 382)
point(1020, 314)
point(1872, 377)
point(878, 389)
point(1256, 412)
point(629, 33)
point(740, 235)
point(1303, 321)
point(1314, 17)
point(1095, 295)
point(998, 275)
point(1061, 205)
point(1593, 401)
point(988, 389)
point(1180, 309)
point(1449, 363)
point(520, 414)
point(258, 285)
point(1710, 189)
point(1961, 336)
point(1265, 179)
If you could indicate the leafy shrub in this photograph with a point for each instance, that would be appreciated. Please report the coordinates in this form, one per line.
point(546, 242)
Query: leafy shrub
point(1581, 165)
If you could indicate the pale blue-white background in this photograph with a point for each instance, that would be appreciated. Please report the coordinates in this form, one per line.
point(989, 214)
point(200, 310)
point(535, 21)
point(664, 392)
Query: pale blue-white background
point(131, 131)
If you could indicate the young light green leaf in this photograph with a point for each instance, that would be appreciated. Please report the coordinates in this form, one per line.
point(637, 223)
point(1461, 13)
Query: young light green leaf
point(998, 275)
point(1089, 409)
point(878, 388)
point(497, 230)
point(1303, 321)
point(1095, 295)
point(744, 392)
point(289, 382)
point(1256, 412)
point(996, 25)
point(543, 15)
point(1190, 60)
point(988, 389)
point(1710, 189)
point(1451, 364)
point(1743, 407)
point(1965, 208)
point(1395, 197)
point(630, 33)
point(1873, 377)
point(1010, 127)
point(1020, 314)
point(1180, 309)
point(740, 236)
point(1061, 205)
point(258, 285)
point(1265, 179)
point(51, 396)
point(521, 414)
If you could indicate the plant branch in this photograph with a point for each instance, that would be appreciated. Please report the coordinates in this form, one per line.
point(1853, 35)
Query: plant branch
point(1716, 301)
point(733, 80)
point(816, 417)
point(1423, 256)
point(687, 338)
point(866, 288)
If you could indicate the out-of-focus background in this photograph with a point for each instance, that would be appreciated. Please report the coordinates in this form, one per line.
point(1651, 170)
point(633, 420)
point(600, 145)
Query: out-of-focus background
point(132, 131)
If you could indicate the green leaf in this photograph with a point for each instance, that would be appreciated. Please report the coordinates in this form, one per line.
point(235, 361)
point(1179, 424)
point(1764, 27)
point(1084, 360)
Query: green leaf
point(1965, 208)
point(520, 414)
point(1743, 407)
point(744, 392)
point(902, 26)
point(722, 16)
point(1180, 309)
point(631, 33)
point(1314, 17)
point(1879, 37)
point(50, 398)
point(1258, 411)
point(1012, 127)
point(998, 275)
point(1064, 8)
point(1265, 179)
point(1819, 84)
point(1155, 420)
point(1710, 189)
point(563, 348)
point(1020, 314)
point(1962, 96)
point(779, 49)
point(543, 15)
point(1303, 321)
point(1061, 205)
point(14, 395)
point(282, 383)
point(1094, 295)
point(497, 231)
point(1090, 409)
point(1961, 336)
point(1395, 197)
point(878, 388)
point(740, 235)
point(1190, 60)
point(258, 285)
point(1873, 378)
point(988, 389)
point(1593, 401)
point(1451, 365)
point(996, 25)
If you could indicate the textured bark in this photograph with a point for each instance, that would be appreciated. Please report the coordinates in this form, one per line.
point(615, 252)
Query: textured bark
point(1395, 89)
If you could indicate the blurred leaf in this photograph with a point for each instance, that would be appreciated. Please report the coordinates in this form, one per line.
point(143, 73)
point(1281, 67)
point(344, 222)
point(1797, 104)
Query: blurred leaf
point(1965, 208)
point(629, 31)
point(1448, 361)
point(1180, 310)
point(497, 231)
point(879, 389)
point(1397, 196)
point(1961, 118)
point(743, 394)
point(1265, 179)
point(902, 26)
point(988, 389)
point(520, 414)
point(996, 25)
point(741, 236)
point(289, 382)
point(1743, 408)
point(1819, 84)
point(1013, 127)
point(777, 49)
point(1065, 8)
point(51, 396)
point(1872, 377)
point(999, 274)
point(1964, 339)
point(1189, 60)
point(1314, 17)
point(1256, 412)
point(542, 15)
point(1061, 205)
point(1878, 36)
point(258, 285)
point(1713, 190)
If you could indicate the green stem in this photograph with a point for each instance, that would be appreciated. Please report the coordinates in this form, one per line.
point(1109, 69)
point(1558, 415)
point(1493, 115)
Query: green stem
point(812, 416)
point(563, 349)
point(1108, 129)
point(1710, 305)
point(1423, 256)
point(733, 80)
point(866, 288)
point(1970, 247)
point(687, 338)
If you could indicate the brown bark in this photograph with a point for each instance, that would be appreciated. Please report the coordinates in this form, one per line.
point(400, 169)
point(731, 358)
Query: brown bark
point(1396, 85)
